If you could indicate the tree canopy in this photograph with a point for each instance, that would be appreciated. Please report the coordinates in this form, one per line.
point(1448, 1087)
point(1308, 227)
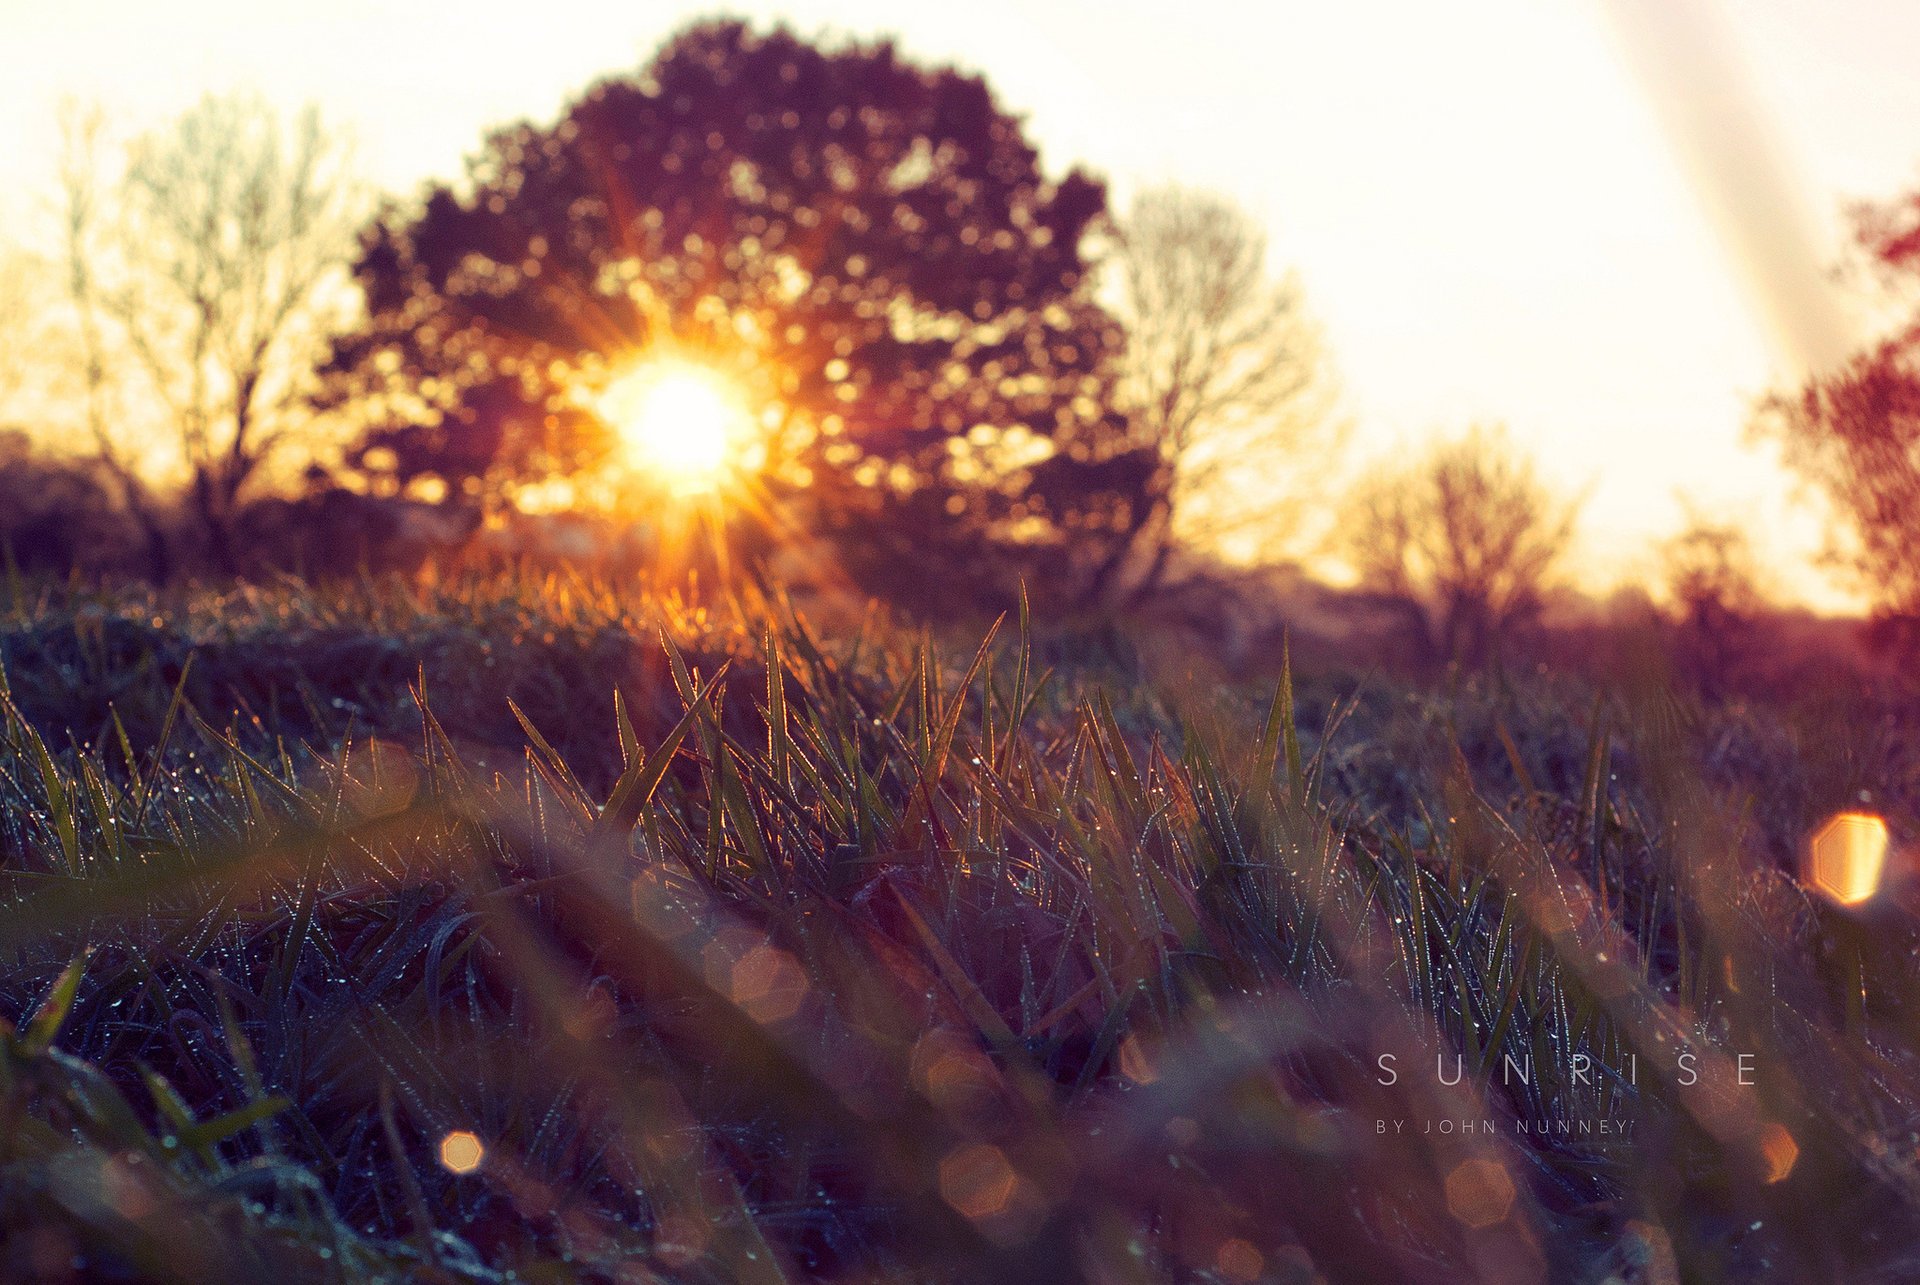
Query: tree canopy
point(1854, 432)
point(870, 247)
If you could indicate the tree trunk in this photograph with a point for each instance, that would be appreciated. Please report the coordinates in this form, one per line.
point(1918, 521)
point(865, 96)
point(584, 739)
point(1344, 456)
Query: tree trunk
point(1153, 518)
point(159, 554)
point(214, 522)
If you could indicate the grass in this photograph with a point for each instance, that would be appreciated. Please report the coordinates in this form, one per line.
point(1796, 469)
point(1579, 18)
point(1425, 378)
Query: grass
point(753, 955)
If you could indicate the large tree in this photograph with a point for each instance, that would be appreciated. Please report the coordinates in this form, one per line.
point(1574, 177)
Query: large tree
point(870, 247)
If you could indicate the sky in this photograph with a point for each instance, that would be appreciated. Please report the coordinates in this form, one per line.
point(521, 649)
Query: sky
point(1605, 223)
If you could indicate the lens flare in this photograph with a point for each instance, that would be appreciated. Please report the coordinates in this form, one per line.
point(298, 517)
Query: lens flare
point(461, 1151)
point(1847, 856)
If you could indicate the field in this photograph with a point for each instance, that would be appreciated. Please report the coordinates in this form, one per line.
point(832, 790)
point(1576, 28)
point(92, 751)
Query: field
point(517, 928)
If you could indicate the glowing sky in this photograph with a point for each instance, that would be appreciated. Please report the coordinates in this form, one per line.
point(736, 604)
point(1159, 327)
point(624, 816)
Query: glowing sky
point(1551, 212)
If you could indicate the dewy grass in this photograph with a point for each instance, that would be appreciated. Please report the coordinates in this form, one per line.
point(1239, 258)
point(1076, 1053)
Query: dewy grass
point(717, 950)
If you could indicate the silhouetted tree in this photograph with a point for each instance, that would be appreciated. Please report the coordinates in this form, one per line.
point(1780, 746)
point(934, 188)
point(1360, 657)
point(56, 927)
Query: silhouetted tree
point(55, 513)
point(1223, 380)
point(1855, 434)
point(1712, 584)
point(474, 454)
point(1467, 537)
point(202, 266)
point(867, 246)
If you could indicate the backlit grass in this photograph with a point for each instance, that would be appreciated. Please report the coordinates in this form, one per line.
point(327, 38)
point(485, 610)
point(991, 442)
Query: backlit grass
point(517, 927)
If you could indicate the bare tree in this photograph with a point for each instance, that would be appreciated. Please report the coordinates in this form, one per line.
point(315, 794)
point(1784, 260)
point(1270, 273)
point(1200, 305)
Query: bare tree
point(1713, 589)
point(212, 264)
point(1467, 537)
point(1224, 387)
point(83, 197)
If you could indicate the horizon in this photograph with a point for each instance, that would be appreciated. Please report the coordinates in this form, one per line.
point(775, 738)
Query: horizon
point(1626, 371)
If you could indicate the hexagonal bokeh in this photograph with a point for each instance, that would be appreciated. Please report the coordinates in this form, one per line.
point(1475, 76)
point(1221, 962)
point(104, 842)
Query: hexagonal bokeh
point(461, 1151)
point(978, 1181)
point(1480, 1192)
point(1847, 856)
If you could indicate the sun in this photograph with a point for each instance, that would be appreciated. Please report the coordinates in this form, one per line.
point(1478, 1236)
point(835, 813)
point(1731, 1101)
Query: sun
point(677, 419)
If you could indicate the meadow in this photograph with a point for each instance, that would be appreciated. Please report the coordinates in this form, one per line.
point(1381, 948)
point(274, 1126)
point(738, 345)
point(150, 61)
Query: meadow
point(520, 927)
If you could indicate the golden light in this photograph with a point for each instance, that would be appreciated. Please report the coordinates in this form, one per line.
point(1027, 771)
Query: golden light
point(1847, 856)
point(1137, 1062)
point(1780, 1152)
point(679, 419)
point(461, 1152)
